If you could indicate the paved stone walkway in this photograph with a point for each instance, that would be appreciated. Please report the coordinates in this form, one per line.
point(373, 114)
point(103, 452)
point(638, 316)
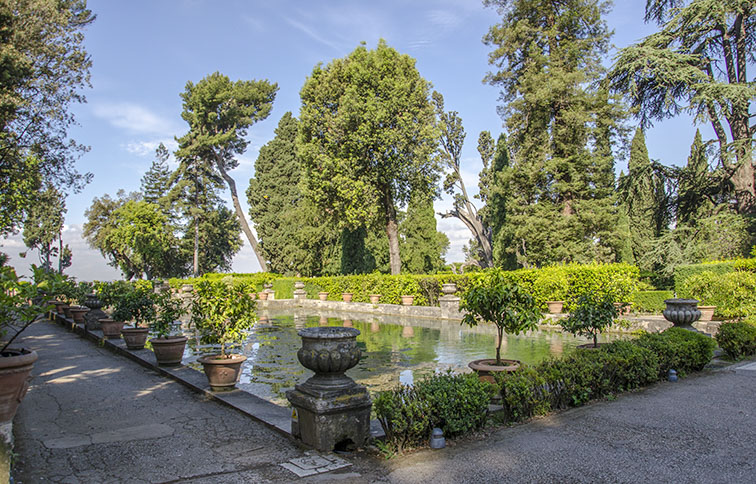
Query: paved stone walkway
point(94, 416)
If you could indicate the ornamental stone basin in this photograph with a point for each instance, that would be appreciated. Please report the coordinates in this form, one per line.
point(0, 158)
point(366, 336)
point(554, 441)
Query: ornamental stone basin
point(682, 312)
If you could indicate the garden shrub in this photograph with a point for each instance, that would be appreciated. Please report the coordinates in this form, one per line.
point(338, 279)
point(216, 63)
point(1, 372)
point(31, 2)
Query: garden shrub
point(679, 349)
point(404, 416)
point(733, 293)
point(576, 379)
point(683, 273)
point(650, 301)
point(458, 403)
point(737, 340)
point(455, 403)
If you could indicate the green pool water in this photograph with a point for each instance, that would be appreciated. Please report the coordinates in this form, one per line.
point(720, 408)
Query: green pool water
point(391, 353)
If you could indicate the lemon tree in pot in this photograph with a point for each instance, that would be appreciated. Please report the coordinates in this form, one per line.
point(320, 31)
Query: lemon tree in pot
point(592, 315)
point(494, 299)
point(167, 341)
point(221, 313)
point(138, 307)
point(21, 304)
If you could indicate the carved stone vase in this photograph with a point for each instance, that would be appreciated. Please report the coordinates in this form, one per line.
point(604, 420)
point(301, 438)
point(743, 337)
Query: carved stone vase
point(682, 312)
point(332, 411)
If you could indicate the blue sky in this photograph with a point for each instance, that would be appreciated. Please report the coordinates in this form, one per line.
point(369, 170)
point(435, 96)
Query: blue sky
point(144, 52)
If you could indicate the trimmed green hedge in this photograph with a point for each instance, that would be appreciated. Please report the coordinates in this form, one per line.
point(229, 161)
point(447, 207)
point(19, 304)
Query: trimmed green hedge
point(738, 340)
point(650, 301)
point(457, 404)
point(565, 282)
point(683, 273)
point(733, 293)
point(680, 349)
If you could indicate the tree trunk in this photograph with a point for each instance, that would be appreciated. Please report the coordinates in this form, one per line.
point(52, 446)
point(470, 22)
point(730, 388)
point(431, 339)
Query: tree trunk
point(240, 215)
point(392, 231)
point(60, 252)
point(498, 346)
point(196, 247)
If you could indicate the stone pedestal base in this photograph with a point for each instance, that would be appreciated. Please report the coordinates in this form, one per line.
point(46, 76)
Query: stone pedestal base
point(300, 294)
point(326, 420)
point(92, 318)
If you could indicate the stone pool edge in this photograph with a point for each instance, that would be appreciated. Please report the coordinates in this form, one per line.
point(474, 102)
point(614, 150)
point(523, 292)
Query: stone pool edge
point(275, 417)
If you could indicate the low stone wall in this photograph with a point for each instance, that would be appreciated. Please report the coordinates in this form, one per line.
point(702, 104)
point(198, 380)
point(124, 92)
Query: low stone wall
point(439, 316)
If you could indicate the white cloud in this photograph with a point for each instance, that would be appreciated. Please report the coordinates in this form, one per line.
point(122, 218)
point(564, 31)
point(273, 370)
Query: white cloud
point(134, 118)
point(444, 19)
point(87, 263)
point(313, 35)
point(147, 148)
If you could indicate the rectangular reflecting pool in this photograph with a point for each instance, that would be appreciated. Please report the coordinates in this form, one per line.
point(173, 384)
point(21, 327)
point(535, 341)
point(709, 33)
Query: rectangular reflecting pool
point(393, 350)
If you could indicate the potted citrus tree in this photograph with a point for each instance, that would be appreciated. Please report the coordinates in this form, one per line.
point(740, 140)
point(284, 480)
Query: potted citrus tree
point(592, 315)
point(167, 342)
point(20, 306)
point(138, 307)
point(221, 312)
point(505, 304)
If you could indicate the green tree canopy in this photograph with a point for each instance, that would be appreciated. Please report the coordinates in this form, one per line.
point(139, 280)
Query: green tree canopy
point(697, 63)
point(43, 225)
point(44, 66)
point(219, 113)
point(422, 246)
point(367, 133)
point(561, 125)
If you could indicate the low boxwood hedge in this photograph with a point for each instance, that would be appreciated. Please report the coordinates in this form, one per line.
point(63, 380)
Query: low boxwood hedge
point(650, 301)
point(737, 340)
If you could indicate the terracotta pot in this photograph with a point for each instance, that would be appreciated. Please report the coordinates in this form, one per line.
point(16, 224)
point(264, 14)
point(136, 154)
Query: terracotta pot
point(67, 311)
point(78, 314)
point(707, 312)
point(263, 296)
point(622, 308)
point(169, 351)
point(111, 329)
point(59, 306)
point(135, 338)
point(15, 367)
point(252, 295)
point(407, 300)
point(555, 307)
point(374, 298)
point(487, 368)
point(222, 373)
point(323, 296)
point(346, 296)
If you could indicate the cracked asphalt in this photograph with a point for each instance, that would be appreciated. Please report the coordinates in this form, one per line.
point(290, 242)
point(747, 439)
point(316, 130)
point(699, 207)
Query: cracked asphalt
point(94, 416)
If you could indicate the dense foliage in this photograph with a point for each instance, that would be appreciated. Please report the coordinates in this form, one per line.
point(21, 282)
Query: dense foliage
point(457, 404)
point(221, 312)
point(737, 340)
point(733, 293)
point(44, 67)
point(356, 170)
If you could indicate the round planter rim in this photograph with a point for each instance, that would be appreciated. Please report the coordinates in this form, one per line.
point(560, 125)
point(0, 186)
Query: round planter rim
point(680, 301)
point(484, 365)
point(328, 332)
point(212, 360)
point(169, 339)
point(25, 357)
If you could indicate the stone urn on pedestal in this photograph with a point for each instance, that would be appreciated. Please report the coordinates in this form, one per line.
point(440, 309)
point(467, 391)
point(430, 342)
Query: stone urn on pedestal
point(331, 410)
point(95, 314)
point(299, 291)
point(682, 312)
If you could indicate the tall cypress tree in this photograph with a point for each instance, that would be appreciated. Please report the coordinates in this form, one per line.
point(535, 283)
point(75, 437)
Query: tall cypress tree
point(293, 239)
point(561, 124)
point(156, 182)
point(695, 185)
point(638, 197)
point(423, 247)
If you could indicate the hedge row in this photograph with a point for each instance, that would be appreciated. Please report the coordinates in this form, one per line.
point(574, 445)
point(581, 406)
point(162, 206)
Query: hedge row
point(650, 301)
point(738, 340)
point(457, 403)
point(733, 293)
point(683, 273)
point(556, 283)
